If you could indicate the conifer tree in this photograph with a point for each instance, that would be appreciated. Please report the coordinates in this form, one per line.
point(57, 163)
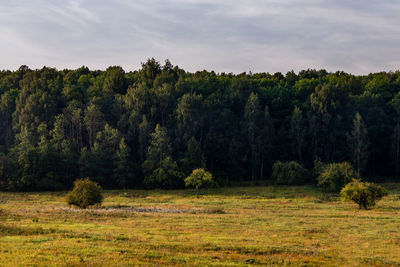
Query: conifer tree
point(359, 143)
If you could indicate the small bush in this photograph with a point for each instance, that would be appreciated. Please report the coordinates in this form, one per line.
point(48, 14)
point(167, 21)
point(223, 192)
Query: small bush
point(85, 193)
point(336, 175)
point(290, 173)
point(364, 194)
point(199, 178)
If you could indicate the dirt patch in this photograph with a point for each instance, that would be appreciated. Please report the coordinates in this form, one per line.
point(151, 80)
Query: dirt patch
point(111, 210)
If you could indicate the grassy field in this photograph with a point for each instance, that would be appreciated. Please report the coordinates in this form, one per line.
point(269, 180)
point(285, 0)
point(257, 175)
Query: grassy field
point(283, 226)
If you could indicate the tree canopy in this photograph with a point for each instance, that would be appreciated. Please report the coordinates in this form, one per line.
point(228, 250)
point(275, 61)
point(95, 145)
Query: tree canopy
point(152, 127)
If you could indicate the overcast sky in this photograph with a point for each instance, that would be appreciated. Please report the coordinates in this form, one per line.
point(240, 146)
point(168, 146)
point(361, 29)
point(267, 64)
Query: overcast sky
point(357, 36)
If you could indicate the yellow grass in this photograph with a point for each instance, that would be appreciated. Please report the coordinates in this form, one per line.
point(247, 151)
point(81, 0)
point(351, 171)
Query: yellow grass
point(282, 226)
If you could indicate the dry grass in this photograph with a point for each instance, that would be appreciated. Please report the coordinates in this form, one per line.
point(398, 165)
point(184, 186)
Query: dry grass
point(282, 226)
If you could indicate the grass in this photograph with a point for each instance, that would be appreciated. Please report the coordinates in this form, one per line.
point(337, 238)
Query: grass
point(242, 226)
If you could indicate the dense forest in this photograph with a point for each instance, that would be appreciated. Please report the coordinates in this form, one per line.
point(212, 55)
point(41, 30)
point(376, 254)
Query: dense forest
point(150, 128)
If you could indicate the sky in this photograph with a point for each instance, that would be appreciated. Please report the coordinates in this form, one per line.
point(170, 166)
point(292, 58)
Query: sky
point(357, 36)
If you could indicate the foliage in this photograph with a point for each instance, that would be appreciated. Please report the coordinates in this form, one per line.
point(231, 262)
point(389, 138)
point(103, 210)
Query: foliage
point(166, 175)
point(85, 193)
point(289, 173)
point(160, 169)
point(363, 193)
point(297, 132)
point(336, 175)
point(251, 124)
point(193, 157)
point(358, 143)
point(120, 127)
point(318, 167)
point(199, 178)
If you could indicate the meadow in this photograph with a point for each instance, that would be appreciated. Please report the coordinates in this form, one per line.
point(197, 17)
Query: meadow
point(239, 226)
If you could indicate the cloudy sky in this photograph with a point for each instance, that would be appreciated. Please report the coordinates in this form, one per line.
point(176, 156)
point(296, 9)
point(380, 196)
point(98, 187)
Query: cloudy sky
point(358, 36)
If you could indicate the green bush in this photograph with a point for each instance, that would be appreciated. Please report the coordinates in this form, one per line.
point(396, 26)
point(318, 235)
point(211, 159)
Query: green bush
point(290, 173)
point(85, 193)
point(199, 178)
point(364, 194)
point(336, 175)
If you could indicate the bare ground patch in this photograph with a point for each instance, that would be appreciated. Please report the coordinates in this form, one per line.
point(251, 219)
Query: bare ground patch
point(116, 210)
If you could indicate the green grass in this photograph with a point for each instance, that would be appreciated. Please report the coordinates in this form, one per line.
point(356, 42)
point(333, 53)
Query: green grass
point(242, 226)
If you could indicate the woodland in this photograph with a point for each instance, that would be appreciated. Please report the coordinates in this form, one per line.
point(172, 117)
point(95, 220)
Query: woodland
point(151, 127)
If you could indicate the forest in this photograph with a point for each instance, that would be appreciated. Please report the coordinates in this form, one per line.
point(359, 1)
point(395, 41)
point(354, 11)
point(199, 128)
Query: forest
point(150, 128)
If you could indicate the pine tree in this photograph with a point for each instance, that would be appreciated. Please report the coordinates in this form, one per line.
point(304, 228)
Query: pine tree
point(93, 122)
point(159, 167)
point(193, 157)
point(144, 132)
point(359, 143)
point(251, 128)
point(266, 140)
point(297, 132)
point(123, 170)
point(396, 148)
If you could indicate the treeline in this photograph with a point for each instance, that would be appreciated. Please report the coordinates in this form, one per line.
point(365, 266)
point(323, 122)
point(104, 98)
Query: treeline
point(152, 127)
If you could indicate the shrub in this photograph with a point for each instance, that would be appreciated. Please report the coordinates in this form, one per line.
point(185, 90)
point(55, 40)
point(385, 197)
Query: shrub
point(336, 175)
point(318, 168)
point(289, 173)
point(85, 193)
point(364, 194)
point(199, 178)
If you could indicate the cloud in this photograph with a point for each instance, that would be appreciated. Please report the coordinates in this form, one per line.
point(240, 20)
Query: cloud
point(231, 36)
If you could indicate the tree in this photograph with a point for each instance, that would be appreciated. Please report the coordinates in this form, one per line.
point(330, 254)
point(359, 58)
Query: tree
point(364, 194)
point(158, 149)
point(103, 153)
point(52, 124)
point(164, 94)
point(93, 122)
point(99, 161)
point(144, 132)
point(193, 157)
point(297, 131)
point(49, 162)
point(3, 171)
point(26, 158)
point(123, 171)
point(115, 82)
point(166, 175)
point(199, 178)
point(159, 168)
point(138, 98)
point(85, 193)
point(73, 122)
point(64, 152)
point(190, 116)
point(336, 175)
point(266, 141)
point(289, 173)
point(7, 106)
point(149, 71)
point(32, 109)
point(359, 143)
point(396, 149)
point(329, 104)
point(251, 122)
